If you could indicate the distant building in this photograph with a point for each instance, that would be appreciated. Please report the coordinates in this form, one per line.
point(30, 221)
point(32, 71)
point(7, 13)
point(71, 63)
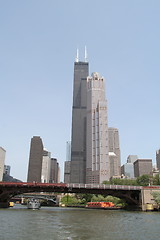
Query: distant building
point(158, 158)
point(67, 163)
point(42, 168)
point(2, 161)
point(128, 168)
point(7, 169)
point(97, 160)
point(142, 166)
point(132, 158)
point(46, 167)
point(68, 151)
point(55, 171)
point(35, 160)
point(67, 171)
point(114, 152)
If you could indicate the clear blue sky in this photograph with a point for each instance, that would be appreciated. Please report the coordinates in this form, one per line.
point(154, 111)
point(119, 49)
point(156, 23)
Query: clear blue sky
point(38, 41)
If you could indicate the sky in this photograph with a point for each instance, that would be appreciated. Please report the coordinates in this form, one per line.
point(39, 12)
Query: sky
point(38, 42)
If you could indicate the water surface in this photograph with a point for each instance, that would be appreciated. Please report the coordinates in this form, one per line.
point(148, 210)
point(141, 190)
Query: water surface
point(20, 223)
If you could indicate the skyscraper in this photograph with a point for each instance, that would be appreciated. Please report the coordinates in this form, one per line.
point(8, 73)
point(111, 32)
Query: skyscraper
point(97, 164)
point(35, 160)
point(114, 152)
point(46, 167)
point(2, 161)
point(158, 158)
point(78, 139)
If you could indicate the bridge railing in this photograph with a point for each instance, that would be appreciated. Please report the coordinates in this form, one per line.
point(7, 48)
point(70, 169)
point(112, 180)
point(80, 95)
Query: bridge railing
point(103, 186)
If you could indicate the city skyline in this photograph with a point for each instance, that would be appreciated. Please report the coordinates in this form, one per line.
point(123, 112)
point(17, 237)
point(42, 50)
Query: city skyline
point(36, 74)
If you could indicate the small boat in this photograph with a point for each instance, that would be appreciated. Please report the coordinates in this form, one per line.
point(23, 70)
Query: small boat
point(102, 205)
point(33, 204)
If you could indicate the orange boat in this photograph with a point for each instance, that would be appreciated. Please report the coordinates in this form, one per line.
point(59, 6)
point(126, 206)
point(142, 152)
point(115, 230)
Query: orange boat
point(101, 205)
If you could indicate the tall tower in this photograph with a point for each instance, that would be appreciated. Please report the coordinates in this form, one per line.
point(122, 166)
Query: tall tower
point(2, 161)
point(158, 158)
point(78, 141)
point(114, 152)
point(97, 166)
point(35, 160)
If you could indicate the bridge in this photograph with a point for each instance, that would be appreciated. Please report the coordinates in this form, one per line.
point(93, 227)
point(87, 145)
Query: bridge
point(131, 194)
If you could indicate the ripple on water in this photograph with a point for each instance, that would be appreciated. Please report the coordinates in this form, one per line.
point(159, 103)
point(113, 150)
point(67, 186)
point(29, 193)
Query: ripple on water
point(83, 224)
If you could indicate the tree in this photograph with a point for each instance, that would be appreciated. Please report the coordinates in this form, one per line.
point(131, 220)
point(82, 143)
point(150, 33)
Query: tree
point(156, 180)
point(143, 180)
point(156, 196)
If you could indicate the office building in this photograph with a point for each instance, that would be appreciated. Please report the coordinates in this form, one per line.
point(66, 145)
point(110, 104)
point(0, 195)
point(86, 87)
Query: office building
point(128, 168)
point(55, 171)
point(67, 171)
point(97, 164)
point(78, 138)
point(46, 167)
point(114, 152)
point(158, 158)
point(35, 160)
point(142, 166)
point(2, 161)
point(7, 169)
point(132, 158)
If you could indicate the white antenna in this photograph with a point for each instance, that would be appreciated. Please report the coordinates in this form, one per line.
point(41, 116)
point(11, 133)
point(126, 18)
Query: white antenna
point(85, 55)
point(77, 56)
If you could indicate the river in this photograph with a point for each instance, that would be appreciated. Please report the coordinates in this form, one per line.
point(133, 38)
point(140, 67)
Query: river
point(53, 223)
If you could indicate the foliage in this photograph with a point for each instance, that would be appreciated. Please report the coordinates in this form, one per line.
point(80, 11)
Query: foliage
point(143, 180)
point(156, 196)
point(115, 200)
point(82, 199)
point(121, 181)
point(156, 180)
point(70, 200)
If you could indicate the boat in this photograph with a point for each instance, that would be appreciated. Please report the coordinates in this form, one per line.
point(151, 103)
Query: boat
point(102, 205)
point(33, 204)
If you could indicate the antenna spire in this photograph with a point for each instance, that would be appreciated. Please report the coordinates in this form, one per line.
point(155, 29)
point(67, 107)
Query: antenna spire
point(85, 55)
point(77, 56)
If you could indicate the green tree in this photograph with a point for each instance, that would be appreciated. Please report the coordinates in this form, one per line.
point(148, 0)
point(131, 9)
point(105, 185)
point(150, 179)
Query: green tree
point(143, 180)
point(156, 180)
point(156, 196)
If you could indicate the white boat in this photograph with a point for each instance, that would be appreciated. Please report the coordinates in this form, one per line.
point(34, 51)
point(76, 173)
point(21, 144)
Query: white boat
point(33, 204)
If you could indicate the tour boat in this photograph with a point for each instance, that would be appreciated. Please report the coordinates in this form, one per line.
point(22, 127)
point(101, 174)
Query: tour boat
point(101, 205)
point(33, 204)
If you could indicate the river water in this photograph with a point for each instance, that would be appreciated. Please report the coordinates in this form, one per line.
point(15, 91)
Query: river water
point(53, 223)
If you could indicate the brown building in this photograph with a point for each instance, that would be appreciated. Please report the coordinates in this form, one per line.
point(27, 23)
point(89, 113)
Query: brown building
point(142, 166)
point(55, 171)
point(35, 160)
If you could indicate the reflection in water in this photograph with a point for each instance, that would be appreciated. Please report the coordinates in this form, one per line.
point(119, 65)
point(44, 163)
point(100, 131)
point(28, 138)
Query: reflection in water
point(72, 223)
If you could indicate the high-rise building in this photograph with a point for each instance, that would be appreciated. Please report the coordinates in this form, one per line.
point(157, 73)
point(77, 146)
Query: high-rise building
point(46, 167)
point(142, 166)
point(114, 152)
point(78, 140)
point(132, 158)
point(67, 163)
point(7, 169)
point(35, 160)
point(2, 161)
point(128, 168)
point(97, 164)
point(54, 172)
point(158, 158)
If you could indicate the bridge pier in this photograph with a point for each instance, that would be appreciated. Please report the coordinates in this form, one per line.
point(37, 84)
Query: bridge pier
point(4, 204)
